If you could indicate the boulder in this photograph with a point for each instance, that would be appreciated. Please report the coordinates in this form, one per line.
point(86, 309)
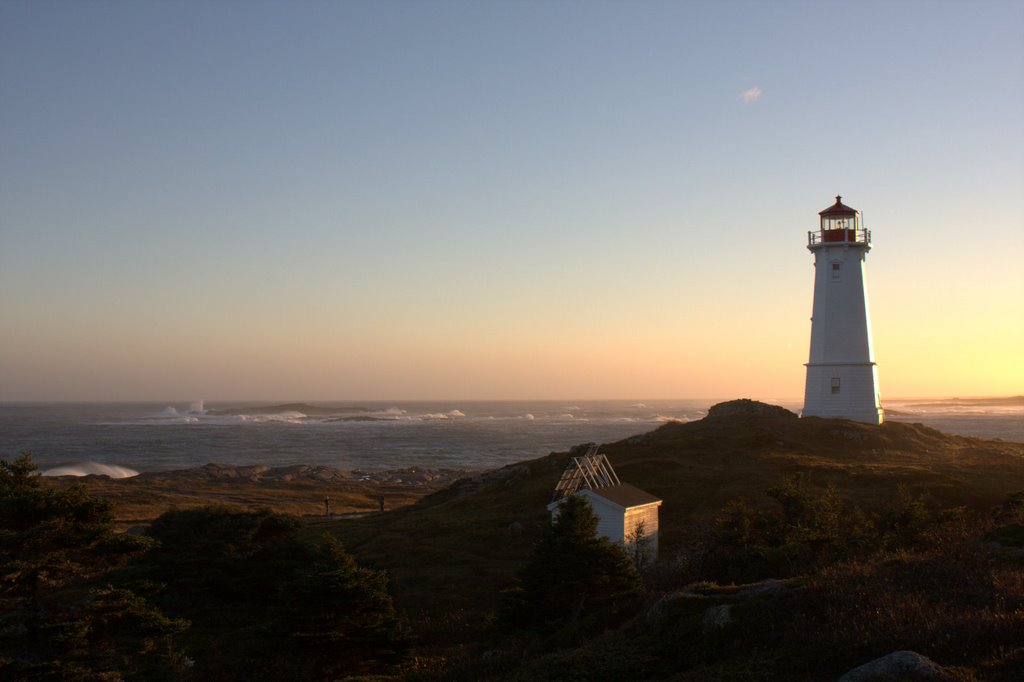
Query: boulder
point(899, 666)
point(745, 407)
point(716, 617)
point(656, 613)
point(762, 589)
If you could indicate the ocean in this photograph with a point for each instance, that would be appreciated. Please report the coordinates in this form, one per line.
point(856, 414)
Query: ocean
point(121, 439)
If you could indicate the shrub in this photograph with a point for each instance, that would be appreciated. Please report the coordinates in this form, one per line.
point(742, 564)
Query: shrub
point(570, 571)
point(286, 605)
point(58, 617)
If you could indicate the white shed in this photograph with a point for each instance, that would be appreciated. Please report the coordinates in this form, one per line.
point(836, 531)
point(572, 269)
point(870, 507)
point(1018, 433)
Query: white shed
point(625, 514)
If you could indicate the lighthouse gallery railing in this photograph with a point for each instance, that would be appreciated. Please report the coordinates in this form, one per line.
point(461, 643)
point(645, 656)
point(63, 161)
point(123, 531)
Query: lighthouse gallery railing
point(858, 236)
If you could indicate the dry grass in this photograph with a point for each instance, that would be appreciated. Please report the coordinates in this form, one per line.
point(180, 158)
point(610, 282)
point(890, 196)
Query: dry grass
point(450, 553)
point(140, 500)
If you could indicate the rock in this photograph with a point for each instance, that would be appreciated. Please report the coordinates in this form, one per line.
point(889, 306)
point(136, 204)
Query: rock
point(850, 435)
point(748, 408)
point(765, 588)
point(580, 449)
point(1005, 550)
point(656, 614)
point(516, 474)
point(716, 617)
point(899, 666)
point(515, 527)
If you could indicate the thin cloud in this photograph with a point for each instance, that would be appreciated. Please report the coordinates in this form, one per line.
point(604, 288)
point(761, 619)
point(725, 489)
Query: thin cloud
point(751, 95)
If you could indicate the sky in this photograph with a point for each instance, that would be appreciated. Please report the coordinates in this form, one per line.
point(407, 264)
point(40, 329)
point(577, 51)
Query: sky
point(315, 200)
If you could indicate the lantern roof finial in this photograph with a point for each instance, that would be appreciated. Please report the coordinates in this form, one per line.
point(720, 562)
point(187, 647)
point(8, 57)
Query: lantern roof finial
point(838, 208)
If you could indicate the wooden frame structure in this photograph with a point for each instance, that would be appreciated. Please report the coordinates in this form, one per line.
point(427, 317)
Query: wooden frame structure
point(591, 471)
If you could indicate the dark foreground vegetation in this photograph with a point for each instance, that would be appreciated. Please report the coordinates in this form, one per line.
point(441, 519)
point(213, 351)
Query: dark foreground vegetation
point(790, 550)
point(207, 593)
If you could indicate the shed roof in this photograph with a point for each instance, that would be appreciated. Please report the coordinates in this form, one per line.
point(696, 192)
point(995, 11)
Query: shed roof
point(625, 495)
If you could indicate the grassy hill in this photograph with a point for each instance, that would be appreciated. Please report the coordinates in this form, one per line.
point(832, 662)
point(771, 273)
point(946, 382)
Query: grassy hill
point(879, 538)
point(451, 554)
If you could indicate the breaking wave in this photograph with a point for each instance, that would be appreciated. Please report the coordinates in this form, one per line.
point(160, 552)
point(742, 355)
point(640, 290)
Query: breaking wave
point(91, 469)
point(289, 417)
point(956, 407)
point(454, 414)
point(363, 417)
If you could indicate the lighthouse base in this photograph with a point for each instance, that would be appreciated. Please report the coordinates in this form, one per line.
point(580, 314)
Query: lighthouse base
point(867, 417)
point(843, 391)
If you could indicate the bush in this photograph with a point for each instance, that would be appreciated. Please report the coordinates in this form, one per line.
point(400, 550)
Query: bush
point(806, 532)
point(58, 617)
point(571, 571)
point(289, 606)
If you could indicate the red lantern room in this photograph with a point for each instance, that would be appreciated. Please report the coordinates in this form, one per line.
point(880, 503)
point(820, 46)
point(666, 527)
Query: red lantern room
point(839, 224)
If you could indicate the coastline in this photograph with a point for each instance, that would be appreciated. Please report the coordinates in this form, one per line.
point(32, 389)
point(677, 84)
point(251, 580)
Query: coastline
point(299, 490)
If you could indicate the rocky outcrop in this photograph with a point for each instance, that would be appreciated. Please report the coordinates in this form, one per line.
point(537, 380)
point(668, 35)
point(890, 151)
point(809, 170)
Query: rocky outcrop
point(745, 407)
point(899, 666)
point(716, 617)
point(302, 408)
point(765, 588)
point(715, 602)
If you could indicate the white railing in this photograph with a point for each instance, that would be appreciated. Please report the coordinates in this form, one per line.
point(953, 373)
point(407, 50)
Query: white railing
point(819, 237)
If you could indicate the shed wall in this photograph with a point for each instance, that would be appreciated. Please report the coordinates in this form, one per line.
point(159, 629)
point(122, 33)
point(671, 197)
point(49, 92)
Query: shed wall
point(647, 515)
point(616, 523)
point(610, 519)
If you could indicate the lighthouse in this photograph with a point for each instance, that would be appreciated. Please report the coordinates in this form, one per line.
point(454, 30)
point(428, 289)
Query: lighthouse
point(842, 379)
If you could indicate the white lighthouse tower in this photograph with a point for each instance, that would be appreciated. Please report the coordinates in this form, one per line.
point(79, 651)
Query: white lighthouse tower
point(842, 380)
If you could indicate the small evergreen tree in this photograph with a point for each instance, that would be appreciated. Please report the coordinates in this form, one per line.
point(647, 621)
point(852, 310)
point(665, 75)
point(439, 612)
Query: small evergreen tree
point(639, 546)
point(57, 620)
point(272, 603)
point(338, 614)
point(571, 570)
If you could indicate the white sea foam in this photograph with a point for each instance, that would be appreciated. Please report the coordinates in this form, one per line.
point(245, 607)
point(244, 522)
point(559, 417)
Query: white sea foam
point(954, 408)
point(529, 417)
point(90, 468)
point(456, 413)
point(197, 408)
point(289, 417)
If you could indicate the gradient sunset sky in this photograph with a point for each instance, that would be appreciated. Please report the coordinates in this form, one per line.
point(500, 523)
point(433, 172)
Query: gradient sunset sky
point(416, 200)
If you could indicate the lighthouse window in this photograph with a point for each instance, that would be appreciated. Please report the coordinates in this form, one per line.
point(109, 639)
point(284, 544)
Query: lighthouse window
point(835, 384)
point(835, 271)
